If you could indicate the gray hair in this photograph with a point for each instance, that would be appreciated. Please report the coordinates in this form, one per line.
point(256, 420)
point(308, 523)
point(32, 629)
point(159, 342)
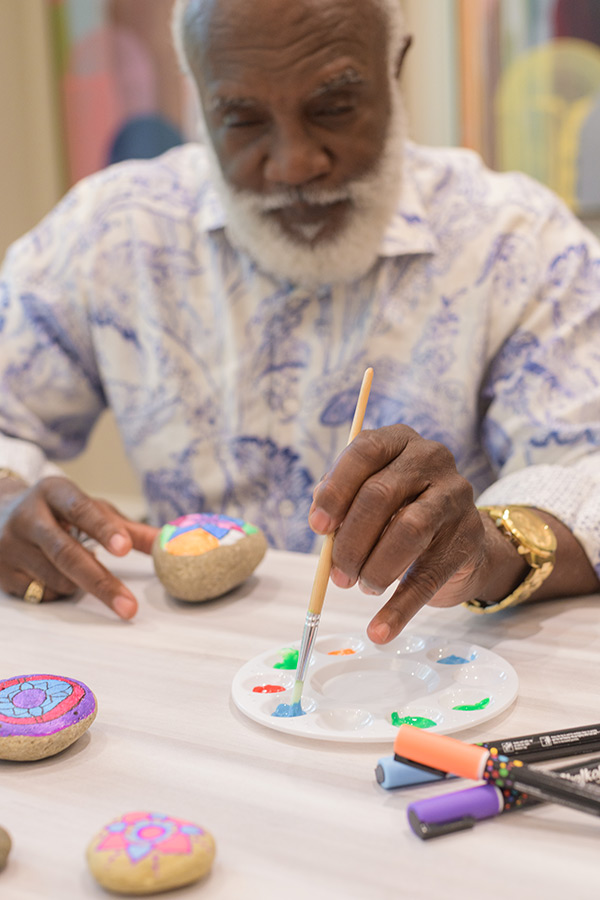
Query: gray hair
point(184, 45)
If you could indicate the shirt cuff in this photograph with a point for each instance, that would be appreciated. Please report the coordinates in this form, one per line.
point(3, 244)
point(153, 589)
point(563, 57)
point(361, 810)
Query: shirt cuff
point(571, 496)
point(26, 459)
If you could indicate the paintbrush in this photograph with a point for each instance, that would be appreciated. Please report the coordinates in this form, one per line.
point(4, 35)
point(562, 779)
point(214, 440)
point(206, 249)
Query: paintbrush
point(317, 596)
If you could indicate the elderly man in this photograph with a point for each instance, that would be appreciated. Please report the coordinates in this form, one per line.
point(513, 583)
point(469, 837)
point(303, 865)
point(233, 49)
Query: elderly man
point(225, 299)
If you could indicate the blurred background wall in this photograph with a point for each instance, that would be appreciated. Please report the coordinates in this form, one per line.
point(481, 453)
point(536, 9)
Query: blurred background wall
point(87, 82)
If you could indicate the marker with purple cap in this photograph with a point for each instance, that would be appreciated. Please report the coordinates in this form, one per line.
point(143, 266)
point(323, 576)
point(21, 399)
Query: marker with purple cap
point(319, 588)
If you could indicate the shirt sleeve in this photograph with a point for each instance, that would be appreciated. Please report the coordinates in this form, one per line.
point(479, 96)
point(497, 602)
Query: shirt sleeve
point(26, 459)
point(541, 427)
point(51, 392)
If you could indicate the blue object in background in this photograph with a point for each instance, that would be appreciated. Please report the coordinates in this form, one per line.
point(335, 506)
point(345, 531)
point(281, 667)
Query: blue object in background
point(144, 137)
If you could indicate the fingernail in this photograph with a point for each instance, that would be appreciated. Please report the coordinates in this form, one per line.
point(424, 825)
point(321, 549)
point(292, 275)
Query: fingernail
point(118, 544)
point(340, 578)
point(124, 607)
point(372, 592)
point(319, 521)
point(380, 633)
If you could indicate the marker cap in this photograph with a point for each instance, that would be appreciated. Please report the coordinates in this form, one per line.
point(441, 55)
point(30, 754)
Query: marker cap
point(438, 751)
point(393, 774)
point(456, 811)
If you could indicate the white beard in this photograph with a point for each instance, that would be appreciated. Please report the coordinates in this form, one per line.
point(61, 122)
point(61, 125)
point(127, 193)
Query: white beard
point(347, 255)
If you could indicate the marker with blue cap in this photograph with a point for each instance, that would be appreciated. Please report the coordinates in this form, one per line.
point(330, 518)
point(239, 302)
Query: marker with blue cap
point(394, 772)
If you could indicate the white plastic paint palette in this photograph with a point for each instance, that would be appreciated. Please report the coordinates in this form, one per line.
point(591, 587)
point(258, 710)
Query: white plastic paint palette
point(359, 691)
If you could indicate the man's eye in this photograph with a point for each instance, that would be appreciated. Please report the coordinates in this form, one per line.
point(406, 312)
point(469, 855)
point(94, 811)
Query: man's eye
point(337, 109)
point(237, 120)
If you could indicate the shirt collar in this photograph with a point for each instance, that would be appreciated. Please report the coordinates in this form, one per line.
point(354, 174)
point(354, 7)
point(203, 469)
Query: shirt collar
point(409, 233)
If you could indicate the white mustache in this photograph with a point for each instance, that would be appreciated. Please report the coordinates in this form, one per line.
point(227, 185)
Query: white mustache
point(308, 196)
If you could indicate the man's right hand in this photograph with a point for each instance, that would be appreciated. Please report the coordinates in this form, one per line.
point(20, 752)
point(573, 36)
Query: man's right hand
point(36, 542)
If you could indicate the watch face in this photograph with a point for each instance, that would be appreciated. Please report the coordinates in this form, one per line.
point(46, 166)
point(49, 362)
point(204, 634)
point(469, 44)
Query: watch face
point(535, 532)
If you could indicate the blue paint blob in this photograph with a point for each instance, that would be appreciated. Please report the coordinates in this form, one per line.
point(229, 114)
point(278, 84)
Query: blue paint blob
point(453, 660)
point(289, 710)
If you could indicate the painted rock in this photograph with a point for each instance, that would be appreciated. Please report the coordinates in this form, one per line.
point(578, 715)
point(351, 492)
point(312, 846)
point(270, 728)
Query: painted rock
point(202, 556)
point(146, 852)
point(5, 845)
point(40, 715)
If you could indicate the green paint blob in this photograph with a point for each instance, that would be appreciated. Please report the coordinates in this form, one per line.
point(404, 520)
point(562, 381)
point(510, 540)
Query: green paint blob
point(248, 528)
point(289, 660)
point(470, 706)
point(165, 534)
point(417, 721)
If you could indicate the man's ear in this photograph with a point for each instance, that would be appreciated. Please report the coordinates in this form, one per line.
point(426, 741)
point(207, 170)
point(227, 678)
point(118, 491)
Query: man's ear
point(402, 53)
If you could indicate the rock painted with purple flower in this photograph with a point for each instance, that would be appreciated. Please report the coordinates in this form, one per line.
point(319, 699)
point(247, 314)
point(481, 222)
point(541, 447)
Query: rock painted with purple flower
point(40, 715)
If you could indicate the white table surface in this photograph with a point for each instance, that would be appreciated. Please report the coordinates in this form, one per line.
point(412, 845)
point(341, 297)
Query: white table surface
point(291, 817)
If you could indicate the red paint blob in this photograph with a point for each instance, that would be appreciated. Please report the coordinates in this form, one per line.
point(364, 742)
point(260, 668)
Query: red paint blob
point(267, 689)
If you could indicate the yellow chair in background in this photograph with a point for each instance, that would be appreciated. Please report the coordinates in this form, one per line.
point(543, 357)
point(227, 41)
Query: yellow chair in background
point(547, 106)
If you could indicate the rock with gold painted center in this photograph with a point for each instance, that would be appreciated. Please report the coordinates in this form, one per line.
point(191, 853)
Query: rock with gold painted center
point(147, 852)
point(202, 556)
point(5, 845)
point(40, 715)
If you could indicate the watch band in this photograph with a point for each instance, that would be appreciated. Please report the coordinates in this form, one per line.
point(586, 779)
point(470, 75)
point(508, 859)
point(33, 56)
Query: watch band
point(540, 558)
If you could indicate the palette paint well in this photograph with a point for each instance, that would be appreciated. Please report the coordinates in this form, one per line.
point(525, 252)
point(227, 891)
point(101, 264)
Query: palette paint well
point(438, 684)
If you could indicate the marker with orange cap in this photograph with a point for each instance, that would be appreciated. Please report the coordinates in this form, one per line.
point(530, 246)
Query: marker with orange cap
point(436, 751)
point(543, 745)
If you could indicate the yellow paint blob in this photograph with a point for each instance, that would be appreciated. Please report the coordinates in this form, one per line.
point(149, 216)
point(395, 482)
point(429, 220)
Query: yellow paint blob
point(192, 543)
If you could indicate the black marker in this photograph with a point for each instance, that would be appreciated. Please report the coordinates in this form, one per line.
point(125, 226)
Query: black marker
point(477, 763)
point(394, 772)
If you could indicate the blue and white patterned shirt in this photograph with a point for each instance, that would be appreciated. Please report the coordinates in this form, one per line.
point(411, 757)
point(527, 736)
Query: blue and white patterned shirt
point(234, 393)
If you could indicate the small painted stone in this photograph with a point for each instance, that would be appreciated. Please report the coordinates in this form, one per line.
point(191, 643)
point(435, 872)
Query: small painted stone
point(202, 556)
point(147, 852)
point(40, 715)
point(5, 845)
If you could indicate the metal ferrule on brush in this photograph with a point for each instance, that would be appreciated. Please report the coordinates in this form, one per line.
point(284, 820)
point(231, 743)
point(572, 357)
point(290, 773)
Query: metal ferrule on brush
point(309, 635)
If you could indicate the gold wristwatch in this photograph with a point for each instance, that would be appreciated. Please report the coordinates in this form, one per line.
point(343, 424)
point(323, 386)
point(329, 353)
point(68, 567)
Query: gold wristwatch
point(533, 539)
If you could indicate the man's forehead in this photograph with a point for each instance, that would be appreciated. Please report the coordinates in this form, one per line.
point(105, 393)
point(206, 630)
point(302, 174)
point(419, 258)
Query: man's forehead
point(266, 26)
point(315, 46)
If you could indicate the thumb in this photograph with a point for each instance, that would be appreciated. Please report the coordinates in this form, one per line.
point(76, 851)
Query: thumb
point(142, 535)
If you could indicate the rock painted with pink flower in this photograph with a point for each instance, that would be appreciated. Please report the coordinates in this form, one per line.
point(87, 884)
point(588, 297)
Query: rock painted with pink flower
point(148, 852)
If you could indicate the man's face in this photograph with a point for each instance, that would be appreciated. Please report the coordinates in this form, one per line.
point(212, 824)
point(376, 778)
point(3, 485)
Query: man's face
point(296, 98)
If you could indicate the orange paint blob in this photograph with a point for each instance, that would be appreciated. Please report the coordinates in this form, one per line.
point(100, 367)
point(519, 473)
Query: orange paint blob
point(192, 543)
point(347, 651)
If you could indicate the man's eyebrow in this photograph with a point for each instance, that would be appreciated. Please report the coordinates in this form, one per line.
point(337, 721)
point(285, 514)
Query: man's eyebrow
point(344, 79)
point(225, 104)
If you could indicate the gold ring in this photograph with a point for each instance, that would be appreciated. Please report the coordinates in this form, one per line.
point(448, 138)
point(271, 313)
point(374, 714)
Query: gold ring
point(34, 592)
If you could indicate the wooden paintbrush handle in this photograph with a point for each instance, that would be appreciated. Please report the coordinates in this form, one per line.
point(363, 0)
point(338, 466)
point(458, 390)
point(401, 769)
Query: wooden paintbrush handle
point(324, 565)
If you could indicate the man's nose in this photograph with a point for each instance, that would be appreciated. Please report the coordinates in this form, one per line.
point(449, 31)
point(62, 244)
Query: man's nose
point(295, 157)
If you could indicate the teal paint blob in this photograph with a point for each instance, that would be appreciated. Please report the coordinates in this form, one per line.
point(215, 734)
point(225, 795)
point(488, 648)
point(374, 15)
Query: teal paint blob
point(467, 707)
point(417, 721)
point(453, 660)
point(289, 660)
point(289, 710)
